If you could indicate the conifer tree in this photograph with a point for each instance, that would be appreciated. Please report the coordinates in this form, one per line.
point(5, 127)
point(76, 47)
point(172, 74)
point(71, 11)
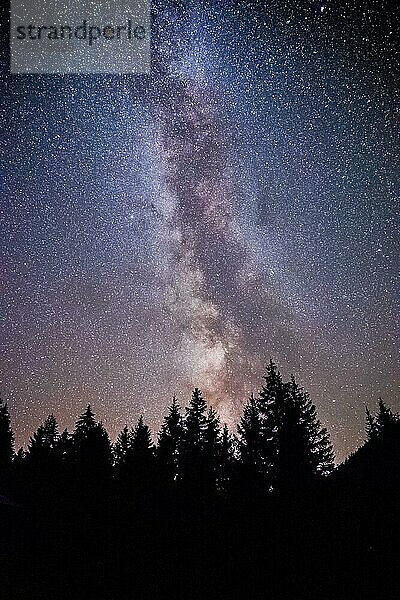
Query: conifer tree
point(85, 423)
point(226, 459)
point(384, 419)
point(385, 416)
point(250, 435)
point(193, 442)
point(44, 461)
point(195, 422)
point(212, 447)
point(65, 444)
point(141, 443)
point(169, 443)
point(250, 474)
point(318, 446)
point(139, 467)
point(304, 449)
point(6, 439)
point(43, 443)
point(91, 450)
point(270, 403)
point(122, 445)
point(212, 433)
point(280, 436)
point(371, 426)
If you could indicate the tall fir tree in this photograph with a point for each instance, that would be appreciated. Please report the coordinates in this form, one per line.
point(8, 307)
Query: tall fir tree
point(212, 448)
point(382, 421)
point(44, 461)
point(250, 435)
point(92, 451)
point(304, 449)
point(226, 459)
point(139, 471)
point(193, 443)
point(250, 474)
point(385, 416)
point(6, 440)
point(280, 437)
point(122, 446)
point(271, 404)
point(371, 428)
point(141, 445)
point(43, 444)
point(195, 422)
point(169, 443)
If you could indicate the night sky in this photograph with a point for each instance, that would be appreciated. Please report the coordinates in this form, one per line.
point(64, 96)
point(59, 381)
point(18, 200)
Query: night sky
point(178, 229)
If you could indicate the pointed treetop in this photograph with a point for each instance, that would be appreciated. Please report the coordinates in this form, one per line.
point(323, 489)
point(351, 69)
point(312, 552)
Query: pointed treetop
point(273, 384)
point(141, 436)
point(87, 420)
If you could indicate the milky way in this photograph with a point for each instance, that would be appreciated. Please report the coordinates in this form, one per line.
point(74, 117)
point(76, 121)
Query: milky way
point(178, 229)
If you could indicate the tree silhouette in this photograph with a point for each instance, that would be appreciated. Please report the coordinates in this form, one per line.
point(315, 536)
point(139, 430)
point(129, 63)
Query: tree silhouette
point(65, 444)
point(193, 442)
point(212, 448)
point(169, 443)
point(139, 466)
point(195, 422)
point(250, 476)
point(304, 447)
point(280, 436)
point(44, 441)
point(43, 460)
point(385, 419)
point(202, 492)
point(122, 446)
point(6, 440)
point(250, 435)
point(85, 423)
point(92, 453)
point(226, 459)
point(371, 426)
point(142, 445)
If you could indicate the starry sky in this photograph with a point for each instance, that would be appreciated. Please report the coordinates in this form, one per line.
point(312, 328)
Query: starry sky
point(179, 228)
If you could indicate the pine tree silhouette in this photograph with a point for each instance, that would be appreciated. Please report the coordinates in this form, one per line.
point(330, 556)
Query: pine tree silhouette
point(43, 460)
point(193, 442)
point(6, 441)
point(226, 459)
point(92, 453)
point(250, 432)
point(212, 448)
point(65, 444)
point(139, 466)
point(383, 420)
point(169, 443)
point(371, 428)
point(122, 452)
point(44, 441)
point(195, 422)
point(85, 423)
point(122, 446)
point(142, 445)
point(318, 448)
point(304, 447)
point(280, 437)
point(250, 475)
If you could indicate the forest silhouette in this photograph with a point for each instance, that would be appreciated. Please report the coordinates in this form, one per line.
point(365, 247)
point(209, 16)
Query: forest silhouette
point(202, 512)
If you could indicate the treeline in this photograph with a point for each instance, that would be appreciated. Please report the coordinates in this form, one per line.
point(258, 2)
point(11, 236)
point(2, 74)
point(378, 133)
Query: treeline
point(201, 512)
point(279, 446)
